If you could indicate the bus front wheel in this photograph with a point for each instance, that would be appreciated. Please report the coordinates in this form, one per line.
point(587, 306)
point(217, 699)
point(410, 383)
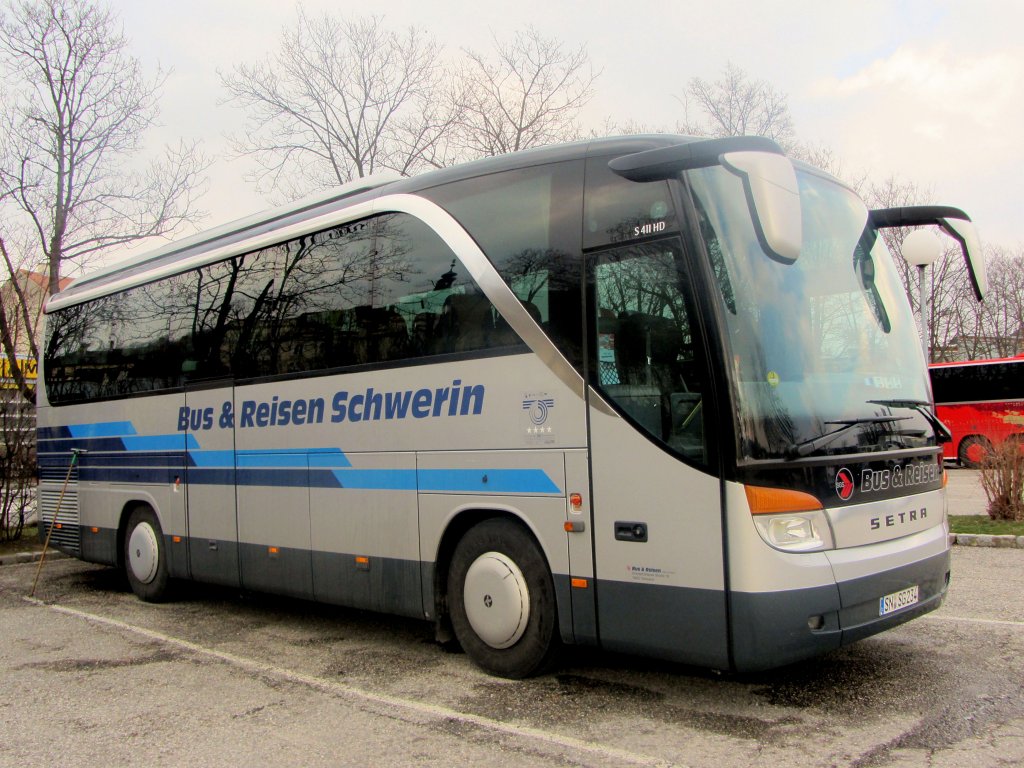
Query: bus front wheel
point(502, 601)
point(145, 559)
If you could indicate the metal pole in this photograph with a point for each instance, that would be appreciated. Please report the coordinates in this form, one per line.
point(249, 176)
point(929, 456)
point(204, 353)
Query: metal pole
point(923, 302)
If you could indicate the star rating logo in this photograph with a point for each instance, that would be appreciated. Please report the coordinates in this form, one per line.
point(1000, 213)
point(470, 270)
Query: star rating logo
point(537, 408)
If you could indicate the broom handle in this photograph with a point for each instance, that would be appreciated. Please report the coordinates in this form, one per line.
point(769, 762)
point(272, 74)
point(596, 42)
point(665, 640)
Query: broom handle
point(49, 533)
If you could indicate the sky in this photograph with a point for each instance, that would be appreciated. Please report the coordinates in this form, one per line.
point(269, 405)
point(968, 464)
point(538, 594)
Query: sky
point(930, 92)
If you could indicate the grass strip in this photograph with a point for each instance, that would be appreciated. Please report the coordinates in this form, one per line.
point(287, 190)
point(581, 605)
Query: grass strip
point(985, 525)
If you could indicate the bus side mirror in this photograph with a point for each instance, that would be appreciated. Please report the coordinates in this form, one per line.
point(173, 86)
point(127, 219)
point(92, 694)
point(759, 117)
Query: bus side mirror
point(773, 198)
point(965, 233)
point(953, 222)
point(768, 176)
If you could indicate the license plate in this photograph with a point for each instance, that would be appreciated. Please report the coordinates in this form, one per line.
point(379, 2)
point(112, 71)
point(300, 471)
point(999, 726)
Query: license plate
point(898, 600)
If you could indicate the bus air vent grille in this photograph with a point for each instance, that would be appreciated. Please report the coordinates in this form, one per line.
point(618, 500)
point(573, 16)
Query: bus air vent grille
point(68, 535)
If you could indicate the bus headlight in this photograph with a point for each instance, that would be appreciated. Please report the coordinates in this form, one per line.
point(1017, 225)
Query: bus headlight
point(803, 532)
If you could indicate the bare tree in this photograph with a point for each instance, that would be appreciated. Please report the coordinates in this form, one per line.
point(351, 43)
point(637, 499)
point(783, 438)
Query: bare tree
point(527, 94)
point(342, 99)
point(735, 105)
point(77, 107)
point(996, 328)
point(823, 157)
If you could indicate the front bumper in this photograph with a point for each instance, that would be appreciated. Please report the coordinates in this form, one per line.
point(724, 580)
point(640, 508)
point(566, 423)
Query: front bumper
point(772, 629)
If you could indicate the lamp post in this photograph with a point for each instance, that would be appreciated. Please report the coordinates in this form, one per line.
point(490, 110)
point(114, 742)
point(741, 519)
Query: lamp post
point(920, 248)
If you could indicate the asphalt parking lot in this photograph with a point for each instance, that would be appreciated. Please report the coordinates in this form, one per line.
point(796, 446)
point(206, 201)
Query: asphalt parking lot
point(91, 675)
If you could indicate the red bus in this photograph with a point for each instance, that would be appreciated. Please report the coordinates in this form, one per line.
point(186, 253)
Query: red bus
point(982, 403)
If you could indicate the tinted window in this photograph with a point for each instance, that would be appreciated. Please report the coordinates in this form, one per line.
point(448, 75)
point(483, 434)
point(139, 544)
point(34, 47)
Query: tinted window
point(292, 310)
point(973, 383)
point(425, 293)
point(370, 292)
point(648, 362)
point(125, 343)
point(527, 222)
point(618, 210)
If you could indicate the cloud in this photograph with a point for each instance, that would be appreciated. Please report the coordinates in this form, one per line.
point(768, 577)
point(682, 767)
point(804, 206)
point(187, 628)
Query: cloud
point(943, 115)
point(979, 89)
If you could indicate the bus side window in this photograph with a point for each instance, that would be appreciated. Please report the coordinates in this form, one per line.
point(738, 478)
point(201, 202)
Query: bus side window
point(426, 288)
point(527, 223)
point(368, 292)
point(647, 362)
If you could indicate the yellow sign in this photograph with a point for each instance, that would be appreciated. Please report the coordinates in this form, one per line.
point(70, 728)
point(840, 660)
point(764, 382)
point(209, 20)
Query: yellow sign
point(29, 369)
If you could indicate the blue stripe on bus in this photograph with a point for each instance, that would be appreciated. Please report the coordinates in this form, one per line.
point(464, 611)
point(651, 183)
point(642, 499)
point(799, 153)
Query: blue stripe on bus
point(128, 475)
point(179, 442)
point(91, 444)
point(329, 459)
point(522, 481)
point(174, 459)
point(486, 481)
point(102, 429)
point(377, 479)
point(273, 478)
point(109, 436)
point(326, 458)
point(284, 467)
point(272, 460)
point(211, 458)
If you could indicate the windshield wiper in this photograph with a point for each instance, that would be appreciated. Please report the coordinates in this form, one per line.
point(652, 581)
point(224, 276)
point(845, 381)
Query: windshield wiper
point(942, 433)
point(808, 447)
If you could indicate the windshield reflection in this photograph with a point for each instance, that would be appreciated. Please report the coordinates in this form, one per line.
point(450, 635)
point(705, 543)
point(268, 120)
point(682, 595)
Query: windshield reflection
point(826, 341)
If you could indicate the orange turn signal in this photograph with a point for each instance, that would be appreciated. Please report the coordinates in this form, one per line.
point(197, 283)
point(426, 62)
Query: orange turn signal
point(579, 583)
point(768, 501)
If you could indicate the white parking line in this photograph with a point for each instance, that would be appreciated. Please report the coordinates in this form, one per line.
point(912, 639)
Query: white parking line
point(968, 620)
point(612, 754)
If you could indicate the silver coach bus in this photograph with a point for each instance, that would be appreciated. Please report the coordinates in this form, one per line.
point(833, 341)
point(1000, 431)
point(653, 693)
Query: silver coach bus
point(653, 394)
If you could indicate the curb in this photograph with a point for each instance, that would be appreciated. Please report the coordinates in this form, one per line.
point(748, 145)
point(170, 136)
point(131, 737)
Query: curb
point(30, 557)
point(986, 540)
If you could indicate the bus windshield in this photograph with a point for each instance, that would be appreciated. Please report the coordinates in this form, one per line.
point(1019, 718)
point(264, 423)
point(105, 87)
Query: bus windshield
point(818, 350)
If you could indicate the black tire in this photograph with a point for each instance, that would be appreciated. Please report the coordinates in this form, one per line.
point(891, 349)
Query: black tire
point(145, 556)
point(530, 647)
point(972, 451)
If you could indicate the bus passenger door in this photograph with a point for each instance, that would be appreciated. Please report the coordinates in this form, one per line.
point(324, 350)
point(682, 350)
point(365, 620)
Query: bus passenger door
point(210, 480)
point(656, 504)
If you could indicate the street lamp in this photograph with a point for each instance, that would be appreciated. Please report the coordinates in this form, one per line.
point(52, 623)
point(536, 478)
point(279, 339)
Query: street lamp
point(920, 248)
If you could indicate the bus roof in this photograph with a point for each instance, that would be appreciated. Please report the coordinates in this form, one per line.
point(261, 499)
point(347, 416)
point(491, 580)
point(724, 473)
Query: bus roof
point(344, 196)
point(136, 270)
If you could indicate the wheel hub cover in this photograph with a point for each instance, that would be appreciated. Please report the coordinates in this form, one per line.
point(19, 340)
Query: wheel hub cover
point(497, 600)
point(143, 553)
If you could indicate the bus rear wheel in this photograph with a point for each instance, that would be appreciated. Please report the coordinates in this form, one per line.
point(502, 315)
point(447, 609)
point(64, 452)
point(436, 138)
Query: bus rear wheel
point(973, 450)
point(145, 558)
point(502, 601)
